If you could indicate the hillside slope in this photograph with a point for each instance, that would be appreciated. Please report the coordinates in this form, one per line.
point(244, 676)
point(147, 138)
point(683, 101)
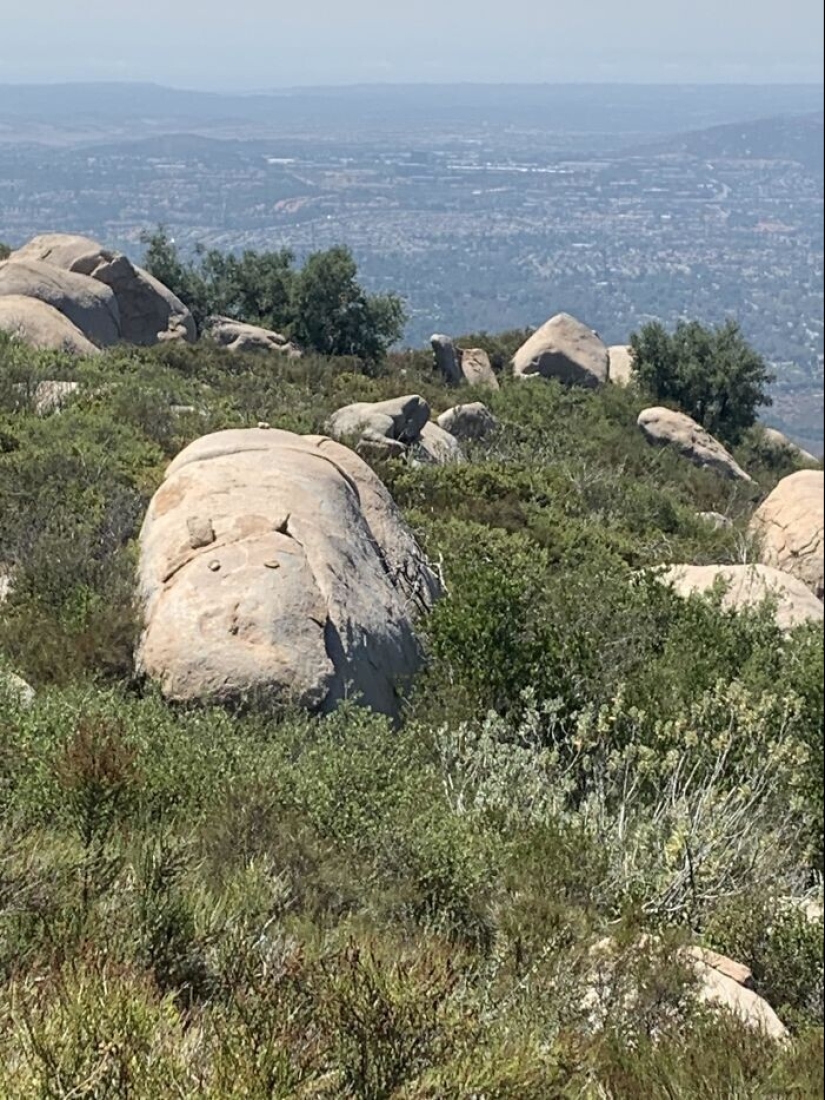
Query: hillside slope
point(261, 903)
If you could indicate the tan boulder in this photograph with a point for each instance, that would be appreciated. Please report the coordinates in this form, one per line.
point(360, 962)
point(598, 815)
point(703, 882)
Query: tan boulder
point(274, 565)
point(780, 442)
point(241, 337)
point(620, 367)
point(666, 428)
point(789, 527)
point(718, 986)
point(436, 447)
point(88, 304)
point(42, 326)
point(477, 370)
point(565, 349)
point(471, 421)
point(68, 251)
point(149, 312)
point(371, 445)
point(748, 586)
point(719, 981)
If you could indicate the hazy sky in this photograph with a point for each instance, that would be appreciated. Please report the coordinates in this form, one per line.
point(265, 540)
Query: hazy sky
point(259, 44)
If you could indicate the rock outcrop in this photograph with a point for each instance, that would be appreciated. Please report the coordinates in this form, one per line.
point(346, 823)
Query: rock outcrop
point(436, 447)
point(395, 428)
point(277, 565)
point(748, 586)
point(42, 326)
point(780, 442)
point(789, 527)
point(620, 368)
point(565, 349)
point(666, 428)
point(89, 305)
point(148, 312)
point(463, 365)
point(447, 359)
point(471, 421)
point(400, 419)
point(239, 336)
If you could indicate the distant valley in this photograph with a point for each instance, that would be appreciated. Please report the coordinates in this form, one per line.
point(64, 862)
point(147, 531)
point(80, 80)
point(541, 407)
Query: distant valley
point(485, 208)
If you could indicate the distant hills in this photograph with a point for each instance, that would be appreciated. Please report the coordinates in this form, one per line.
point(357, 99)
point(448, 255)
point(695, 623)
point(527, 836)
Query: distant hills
point(797, 138)
point(640, 109)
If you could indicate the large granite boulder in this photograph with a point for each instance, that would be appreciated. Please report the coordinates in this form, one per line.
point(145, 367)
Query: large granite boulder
point(471, 421)
point(149, 312)
point(565, 349)
point(620, 367)
point(789, 527)
point(463, 365)
point(666, 428)
point(239, 336)
point(275, 565)
point(42, 326)
point(748, 586)
point(400, 419)
point(88, 304)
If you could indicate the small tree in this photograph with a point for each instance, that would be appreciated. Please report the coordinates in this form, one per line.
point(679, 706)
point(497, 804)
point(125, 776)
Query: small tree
point(5, 251)
point(712, 374)
point(322, 307)
point(332, 313)
point(162, 260)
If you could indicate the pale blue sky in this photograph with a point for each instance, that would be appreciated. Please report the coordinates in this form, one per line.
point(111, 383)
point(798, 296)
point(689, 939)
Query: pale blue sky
point(259, 44)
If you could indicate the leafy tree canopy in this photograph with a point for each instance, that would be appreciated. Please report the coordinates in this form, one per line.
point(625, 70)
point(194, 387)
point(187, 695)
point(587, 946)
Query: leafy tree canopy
point(712, 374)
point(321, 306)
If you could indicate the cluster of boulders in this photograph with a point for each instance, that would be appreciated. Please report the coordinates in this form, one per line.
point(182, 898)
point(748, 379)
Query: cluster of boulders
point(469, 366)
point(68, 292)
point(787, 532)
point(402, 426)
